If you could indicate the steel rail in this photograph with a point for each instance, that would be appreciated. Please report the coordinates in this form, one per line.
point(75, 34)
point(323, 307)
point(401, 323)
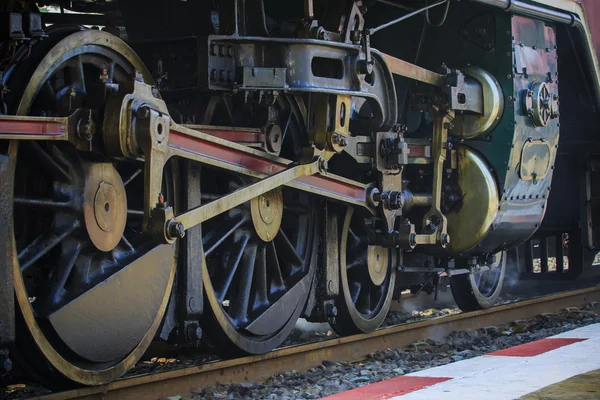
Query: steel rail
point(352, 348)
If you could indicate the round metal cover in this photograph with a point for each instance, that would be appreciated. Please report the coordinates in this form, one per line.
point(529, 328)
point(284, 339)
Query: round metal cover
point(105, 205)
point(377, 260)
point(267, 210)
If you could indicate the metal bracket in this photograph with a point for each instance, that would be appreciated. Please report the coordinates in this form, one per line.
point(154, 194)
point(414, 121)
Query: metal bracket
point(434, 222)
point(203, 213)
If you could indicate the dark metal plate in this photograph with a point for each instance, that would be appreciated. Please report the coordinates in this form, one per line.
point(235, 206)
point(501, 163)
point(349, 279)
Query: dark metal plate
point(7, 310)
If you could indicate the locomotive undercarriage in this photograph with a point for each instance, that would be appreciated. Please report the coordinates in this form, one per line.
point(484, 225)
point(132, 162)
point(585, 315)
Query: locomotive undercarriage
point(280, 173)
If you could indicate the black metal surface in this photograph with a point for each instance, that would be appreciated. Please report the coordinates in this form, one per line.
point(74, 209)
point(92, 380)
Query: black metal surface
point(190, 294)
point(7, 308)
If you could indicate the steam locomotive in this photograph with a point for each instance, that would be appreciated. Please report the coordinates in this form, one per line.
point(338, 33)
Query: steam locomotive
point(214, 170)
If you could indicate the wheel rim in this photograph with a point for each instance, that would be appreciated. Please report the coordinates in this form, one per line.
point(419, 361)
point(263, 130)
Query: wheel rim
point(366, 294)
point(50, 212)
point(258, 257)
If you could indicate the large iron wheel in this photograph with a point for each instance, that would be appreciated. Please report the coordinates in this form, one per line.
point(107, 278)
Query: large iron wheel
point(258, 258)
point(257, 266)
point(91, 289)
point(367, 279)
point(480, 289)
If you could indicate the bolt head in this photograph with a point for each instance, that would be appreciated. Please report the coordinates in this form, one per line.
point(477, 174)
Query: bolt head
point(445, 239)
point(176, 230)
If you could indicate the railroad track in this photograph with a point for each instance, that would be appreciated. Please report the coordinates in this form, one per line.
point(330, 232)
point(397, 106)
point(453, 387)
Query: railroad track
point(352, 348)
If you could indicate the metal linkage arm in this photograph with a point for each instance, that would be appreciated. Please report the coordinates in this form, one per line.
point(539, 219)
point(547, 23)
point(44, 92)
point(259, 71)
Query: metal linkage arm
point(200, 214)
point(412, 71)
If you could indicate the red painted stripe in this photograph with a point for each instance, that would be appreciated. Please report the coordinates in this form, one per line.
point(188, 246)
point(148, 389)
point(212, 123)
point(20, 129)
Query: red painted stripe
point(256, 163)
point(42, 128)
point(535, 348)
point(387, 389)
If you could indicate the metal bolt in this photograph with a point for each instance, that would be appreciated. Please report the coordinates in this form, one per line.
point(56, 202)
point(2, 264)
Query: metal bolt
point(176, 230)
point(86, 128)
point(331, 310)
point(444, 239)
point(323, 165)
point(374, 197)
point(193, 333)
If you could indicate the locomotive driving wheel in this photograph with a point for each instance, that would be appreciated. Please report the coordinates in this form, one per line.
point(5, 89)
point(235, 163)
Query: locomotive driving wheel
point(258, 258)
point(91, 288)
point(480, 289)
point(367, 279)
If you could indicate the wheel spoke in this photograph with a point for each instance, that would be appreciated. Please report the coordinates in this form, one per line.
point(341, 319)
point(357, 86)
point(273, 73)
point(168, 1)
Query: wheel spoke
point(352, 236)
point(42, 203)
point(65, 266)
point(259, 282)
point(42, 245)
point(355, 289)
point(132, 177)
point(355, 263)
point(287, 125)
point(210, 196)
point(135, 213)
point(127, 243)
point(79, 74)
point(48, 91)
point(221, 235)
point(239, 305)
point(363, 303)
point(50, 162)
point(231, 265)
point(287, 250)
point(274, 269)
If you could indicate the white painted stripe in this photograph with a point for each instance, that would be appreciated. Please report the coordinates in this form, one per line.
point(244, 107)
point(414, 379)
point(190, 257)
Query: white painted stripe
point(590, 331)
point(505, 378)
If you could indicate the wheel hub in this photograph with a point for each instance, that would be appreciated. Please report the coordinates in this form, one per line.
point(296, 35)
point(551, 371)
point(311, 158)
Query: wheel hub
point(105, 205)
point(267, 210)
point(377, 261)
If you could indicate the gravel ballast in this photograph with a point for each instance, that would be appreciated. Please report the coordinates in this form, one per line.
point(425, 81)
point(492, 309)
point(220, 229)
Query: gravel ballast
point(332, 377)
